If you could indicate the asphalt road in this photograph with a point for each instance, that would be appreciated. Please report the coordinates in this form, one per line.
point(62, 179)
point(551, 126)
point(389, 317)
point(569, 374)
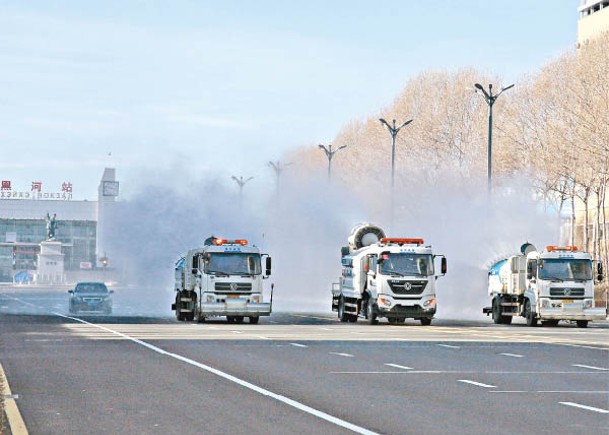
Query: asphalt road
point(297, 373)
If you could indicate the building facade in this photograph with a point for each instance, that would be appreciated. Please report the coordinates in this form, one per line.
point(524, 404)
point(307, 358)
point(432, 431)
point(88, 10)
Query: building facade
point(24, 218)
point(593, 20)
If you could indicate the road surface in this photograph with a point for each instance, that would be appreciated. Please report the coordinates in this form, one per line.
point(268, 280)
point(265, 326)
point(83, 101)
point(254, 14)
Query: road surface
point(297, 373)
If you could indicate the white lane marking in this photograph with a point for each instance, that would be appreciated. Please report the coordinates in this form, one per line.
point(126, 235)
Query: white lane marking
point(478, 384)
point(588, 408)
point(513, 355)
point(552, 392)
point(237, 332)
point(583, 366)
point(450, 346)
point(299, 345)
point(397, 366)
point(348, 355)
point(257, 389)
point(312, 317)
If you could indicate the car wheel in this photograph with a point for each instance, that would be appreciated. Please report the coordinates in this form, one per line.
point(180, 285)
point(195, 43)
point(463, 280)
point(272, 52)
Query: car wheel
point(582, 323)
point(425, 321)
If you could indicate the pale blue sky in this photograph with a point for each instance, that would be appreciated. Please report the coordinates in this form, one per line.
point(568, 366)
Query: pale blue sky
point(214, 88)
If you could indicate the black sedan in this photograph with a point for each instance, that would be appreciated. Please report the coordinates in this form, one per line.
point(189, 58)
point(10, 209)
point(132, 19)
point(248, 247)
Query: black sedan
point(91, 297)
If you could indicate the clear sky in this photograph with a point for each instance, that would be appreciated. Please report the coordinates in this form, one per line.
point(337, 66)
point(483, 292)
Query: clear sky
point(219, 88)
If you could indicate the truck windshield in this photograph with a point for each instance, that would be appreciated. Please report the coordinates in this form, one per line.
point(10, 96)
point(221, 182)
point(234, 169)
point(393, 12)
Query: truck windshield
point(406, 264)
point(565, 269)
point(233, 263)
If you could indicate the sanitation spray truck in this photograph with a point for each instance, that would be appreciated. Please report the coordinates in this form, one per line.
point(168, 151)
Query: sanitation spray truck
point(548, 286)
point(386, 277)
point(223, 278)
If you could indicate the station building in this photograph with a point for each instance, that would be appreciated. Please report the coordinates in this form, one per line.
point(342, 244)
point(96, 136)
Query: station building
point(24, 218)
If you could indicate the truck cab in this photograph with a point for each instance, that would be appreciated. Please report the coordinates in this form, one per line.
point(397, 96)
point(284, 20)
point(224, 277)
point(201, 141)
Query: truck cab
point(560, 286)
point(223, 278)
point(395, 278)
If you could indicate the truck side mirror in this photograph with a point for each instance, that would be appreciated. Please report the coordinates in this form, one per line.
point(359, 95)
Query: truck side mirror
point(344, 251)
point(599, 271)
point(529, 270)
point(268, 266)
point(443, 266)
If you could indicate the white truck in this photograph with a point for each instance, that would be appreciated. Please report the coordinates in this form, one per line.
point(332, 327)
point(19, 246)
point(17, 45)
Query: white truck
point(223, 278)
point(386, 277)
point(548, 286)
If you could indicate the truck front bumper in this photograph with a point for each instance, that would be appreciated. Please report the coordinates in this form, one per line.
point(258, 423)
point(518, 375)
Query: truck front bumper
point(236, 307)
point(391, 307)
point(573, 312)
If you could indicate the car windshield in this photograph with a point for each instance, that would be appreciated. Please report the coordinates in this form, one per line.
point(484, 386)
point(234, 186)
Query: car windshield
point(565, 269)
point(92, 287)
point(233, 263)
point(406, 264)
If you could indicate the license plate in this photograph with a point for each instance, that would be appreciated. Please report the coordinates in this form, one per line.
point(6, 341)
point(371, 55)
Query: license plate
point(232, 297)
point(567, 301)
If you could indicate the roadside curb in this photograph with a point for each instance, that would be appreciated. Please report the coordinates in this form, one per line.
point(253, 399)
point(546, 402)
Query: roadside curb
point(13, 416)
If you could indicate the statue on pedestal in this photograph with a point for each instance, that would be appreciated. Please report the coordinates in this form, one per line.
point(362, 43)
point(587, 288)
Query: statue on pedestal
point(51, 226)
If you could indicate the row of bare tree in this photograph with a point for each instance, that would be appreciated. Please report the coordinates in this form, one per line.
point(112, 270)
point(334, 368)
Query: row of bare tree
point(553, 127)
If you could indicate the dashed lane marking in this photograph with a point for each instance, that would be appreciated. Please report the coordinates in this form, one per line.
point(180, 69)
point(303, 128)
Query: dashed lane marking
point(347, 355)
point(512, 355)
point(588, 408)
point(449, 346)
point(298, 345)
point(397, 366)
point(583, 366)
point(478, 384)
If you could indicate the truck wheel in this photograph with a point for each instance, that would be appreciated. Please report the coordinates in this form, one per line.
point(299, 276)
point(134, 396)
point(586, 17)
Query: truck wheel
point(179, 315)
point(238, 319)
point(425, 321)
point(371, 313)
point(497, 318)
point(529, 314)
point(254, 319)
point(341, 310)
point(582, 323)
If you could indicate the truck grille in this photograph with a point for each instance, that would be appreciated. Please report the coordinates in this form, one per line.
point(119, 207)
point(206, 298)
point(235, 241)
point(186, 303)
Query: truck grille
point(402, 287)
point(233, 287)
point(566, 291)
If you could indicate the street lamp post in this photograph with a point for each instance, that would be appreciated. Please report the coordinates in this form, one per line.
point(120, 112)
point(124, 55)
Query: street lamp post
point(278, 168)
point(329, 154)
point(490, 100)
point(241, 182)
point(394, 132)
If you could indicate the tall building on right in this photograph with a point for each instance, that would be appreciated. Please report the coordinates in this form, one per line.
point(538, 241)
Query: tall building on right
point(593, 20)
